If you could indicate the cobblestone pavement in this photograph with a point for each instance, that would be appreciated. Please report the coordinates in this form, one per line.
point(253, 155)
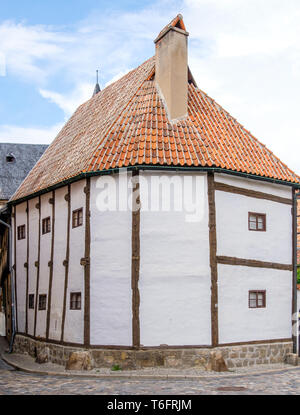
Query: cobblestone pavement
point(14, 382)
point(4, 366)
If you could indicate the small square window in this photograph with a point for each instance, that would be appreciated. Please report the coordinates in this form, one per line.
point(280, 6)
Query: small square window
point(75, 301)
point(256, 222)
point(257, 299)
point(31, 301)
point(77, 219)
point(46, 225)
point(10, 158)
point(42, 301)
point(21, 232)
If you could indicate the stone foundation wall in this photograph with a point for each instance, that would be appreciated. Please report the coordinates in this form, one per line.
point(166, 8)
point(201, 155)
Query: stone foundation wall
point(235, 356)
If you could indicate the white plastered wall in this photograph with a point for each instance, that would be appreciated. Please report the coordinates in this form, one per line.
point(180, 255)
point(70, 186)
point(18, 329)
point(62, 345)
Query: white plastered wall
point(111, 296)
point(235, 240)
point(258, 185)
point(238, 322)
point(175, 276)
point(45, 256)
point(59, 255)
point(21, 258)
point(74, 323)
point(33, 256)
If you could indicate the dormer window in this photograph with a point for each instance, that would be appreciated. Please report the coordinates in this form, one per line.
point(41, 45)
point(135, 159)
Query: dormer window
point(10, 158)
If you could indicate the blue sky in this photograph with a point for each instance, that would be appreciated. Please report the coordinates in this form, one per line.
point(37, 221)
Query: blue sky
point(63, 12)
point(243, 53)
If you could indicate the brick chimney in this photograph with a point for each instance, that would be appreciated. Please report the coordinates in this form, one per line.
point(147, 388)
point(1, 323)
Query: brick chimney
point(171, 68)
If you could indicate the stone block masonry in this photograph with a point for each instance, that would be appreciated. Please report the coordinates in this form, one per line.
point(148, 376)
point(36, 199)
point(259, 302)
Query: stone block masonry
point(127, 359)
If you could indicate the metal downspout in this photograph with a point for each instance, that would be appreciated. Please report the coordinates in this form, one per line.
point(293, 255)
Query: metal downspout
point(11, 271)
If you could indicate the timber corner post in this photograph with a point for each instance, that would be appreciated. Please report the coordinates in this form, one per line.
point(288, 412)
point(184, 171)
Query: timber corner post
point(135, 263)
point(213, 259)
point(87, 191)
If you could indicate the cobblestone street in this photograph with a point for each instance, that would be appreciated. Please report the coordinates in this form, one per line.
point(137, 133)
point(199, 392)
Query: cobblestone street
point(14, 382)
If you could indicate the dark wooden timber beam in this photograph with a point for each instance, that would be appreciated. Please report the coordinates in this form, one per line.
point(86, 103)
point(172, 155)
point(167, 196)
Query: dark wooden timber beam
point(213, 259)
point(135, 264)
point(251, 193)
point(87, 251)
point(253, 263)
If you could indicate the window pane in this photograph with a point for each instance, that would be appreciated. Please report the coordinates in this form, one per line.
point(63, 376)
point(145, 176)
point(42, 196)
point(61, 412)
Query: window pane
point(75, 301)
point(252, 296)
point(252, 303)
point(260, 223)
point(31, 301)
point(260, 299)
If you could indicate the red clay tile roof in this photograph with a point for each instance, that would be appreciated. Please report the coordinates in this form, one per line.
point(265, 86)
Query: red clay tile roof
point(126, 124)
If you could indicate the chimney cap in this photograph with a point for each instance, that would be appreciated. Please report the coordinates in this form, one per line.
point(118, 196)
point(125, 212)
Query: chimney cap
point(176, 24)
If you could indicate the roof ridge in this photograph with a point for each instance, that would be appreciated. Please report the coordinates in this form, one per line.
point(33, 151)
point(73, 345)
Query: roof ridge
point(101, 93)
point(118, 116)
point(122, 77)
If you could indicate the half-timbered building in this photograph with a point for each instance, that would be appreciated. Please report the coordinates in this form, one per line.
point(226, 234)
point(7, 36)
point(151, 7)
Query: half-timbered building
point(103, 263)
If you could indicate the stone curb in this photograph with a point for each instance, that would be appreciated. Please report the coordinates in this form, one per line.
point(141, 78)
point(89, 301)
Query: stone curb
point(143, 376)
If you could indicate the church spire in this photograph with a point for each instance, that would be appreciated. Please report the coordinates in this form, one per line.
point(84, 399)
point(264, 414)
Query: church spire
point(97, 86)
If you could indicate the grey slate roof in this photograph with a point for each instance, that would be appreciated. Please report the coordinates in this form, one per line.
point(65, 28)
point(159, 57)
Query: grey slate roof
point(13, 173)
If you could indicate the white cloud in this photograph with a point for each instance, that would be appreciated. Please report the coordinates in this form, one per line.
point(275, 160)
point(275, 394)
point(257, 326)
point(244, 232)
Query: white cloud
point(33, 135)
point(69, 102)
point(28, 49)
point(111, 42)
point(246, 55)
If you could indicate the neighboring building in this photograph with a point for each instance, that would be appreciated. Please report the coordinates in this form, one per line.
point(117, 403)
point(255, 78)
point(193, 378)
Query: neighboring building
point(16, 161)
point(157, 279)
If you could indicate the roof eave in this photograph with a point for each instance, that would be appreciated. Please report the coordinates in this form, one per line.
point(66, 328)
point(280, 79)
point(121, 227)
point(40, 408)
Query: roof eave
point(153, 167)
